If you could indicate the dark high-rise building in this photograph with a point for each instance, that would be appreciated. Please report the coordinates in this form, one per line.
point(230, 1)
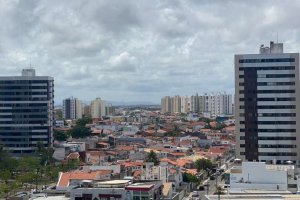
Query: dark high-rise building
point(26, 111)
point(267, 97)
point(72, 108)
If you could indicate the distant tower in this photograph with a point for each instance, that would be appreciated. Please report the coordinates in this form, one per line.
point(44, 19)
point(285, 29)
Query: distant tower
point(72, 108)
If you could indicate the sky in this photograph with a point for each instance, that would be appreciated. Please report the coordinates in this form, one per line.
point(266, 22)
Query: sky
point(140, 50)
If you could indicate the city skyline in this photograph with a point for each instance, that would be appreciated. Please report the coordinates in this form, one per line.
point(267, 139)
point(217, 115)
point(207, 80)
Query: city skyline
point(116, 51)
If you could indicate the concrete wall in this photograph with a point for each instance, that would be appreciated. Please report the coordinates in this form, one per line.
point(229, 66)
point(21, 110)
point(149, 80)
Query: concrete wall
point(254, 175)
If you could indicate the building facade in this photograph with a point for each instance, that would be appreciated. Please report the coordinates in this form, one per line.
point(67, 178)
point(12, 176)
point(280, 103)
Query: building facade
point(98, 108)
point(215, 104)
point(185, 104)
point(26, 111)
point(166, 104)
point(267, 99)
point(72, 108)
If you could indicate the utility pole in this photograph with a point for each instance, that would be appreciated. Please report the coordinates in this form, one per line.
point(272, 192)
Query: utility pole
point(216, 180)
point(207, 189)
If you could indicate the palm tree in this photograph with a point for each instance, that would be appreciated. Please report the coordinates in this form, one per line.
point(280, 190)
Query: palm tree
point(219, 191)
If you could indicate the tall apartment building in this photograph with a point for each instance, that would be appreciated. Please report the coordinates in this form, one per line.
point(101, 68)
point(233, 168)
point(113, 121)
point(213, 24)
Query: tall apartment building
point(98, 109)
point(87, 110)
point(267, 108)
point(195, 103)
point(72, 108)
point(26, 111)
point(185, 104)
point(219, 103)
point(176, 104)
point(166, 104)
point(216, 104)
point(109, 109)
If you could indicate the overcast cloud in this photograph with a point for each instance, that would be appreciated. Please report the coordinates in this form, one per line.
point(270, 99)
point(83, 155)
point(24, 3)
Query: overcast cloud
point(140, 50)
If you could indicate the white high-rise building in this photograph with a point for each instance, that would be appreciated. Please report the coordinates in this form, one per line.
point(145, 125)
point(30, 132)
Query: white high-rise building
point(216, 104)
point(185, 104)
point(176, 104)
point(166, 104)
point(98, 109)
point(267, 105)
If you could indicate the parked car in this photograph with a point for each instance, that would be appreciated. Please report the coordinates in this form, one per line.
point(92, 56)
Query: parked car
point(206, 183)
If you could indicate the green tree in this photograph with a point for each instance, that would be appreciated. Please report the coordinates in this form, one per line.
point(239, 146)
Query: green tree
point(44, 153)
point(28, 164)
point(219, 191)
point(51, 172)
point(204, 164)
point(83, 121)
point(60, 135)
point(4, 189)
point(189, 178)
point(207, 126)
point(27, 177)
point(80, 132)
point(5, 175)
point(220, 126)
point(152, 157)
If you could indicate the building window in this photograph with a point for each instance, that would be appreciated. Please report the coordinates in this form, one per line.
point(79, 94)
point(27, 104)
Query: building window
point(267, 60)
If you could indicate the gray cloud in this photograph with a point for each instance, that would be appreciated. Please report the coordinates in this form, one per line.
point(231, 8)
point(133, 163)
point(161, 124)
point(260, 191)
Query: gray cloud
point(140, 50)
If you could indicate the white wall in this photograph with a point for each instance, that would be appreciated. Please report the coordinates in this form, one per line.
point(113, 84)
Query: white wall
point(254, 175)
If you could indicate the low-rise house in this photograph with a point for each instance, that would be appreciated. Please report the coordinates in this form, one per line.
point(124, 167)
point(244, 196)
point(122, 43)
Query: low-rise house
point(96, 157)
point(72, 179)
point(118, 189)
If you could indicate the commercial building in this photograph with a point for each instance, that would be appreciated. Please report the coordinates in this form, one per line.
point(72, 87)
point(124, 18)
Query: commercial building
point(267, 107)
point(26, 111)
point(72, 108)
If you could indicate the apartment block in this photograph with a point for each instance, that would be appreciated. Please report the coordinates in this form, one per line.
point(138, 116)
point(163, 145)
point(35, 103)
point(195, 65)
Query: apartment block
point(98, 108)
point(26, 111)
point(267, 99)
point(72, 108)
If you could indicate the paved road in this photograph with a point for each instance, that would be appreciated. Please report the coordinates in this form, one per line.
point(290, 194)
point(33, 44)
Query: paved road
point(212, 186)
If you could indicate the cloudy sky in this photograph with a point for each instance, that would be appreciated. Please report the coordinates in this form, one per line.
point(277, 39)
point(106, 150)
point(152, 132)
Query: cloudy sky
point(141, 50)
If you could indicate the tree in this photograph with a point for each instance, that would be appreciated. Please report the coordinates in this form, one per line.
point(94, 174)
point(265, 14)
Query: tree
point(204, 164)
point(60, 135)
point(28, 164)
point(152, 157)
point(5, 175)
point(44, 153)
point(207, 126)
point(189, 178)
point(219, 191)
point(220, 126)
point(4, 189)
point(79, 131)
point(83, 121)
